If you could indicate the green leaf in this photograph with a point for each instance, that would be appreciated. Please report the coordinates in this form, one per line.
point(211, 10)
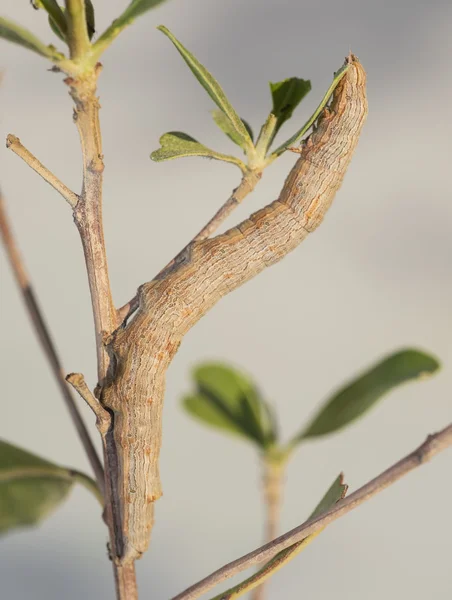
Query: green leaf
point(215, 91)
point(228, 400)
point(56, 30)
point(57, 20)
point(176, 144)
point(225, 125)
point(312, 119)
point(90, 18)
point(336, 492)
point(18, 35)
point(31, 488)
point(135, 9)
point(358, 396)
point(286, 96)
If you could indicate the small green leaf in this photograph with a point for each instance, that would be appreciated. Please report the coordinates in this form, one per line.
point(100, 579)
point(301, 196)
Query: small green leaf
point(57, 20)
point(225, 125)
point(286, 96)
point(135, 9)
point(176, 144)
point(18, 35)
point(31, 488)
point(312, 119)
point(336, 492)
point(358, 396)
point(56, 30)
point(227, 399)
point(90, 18)
point(215, 91)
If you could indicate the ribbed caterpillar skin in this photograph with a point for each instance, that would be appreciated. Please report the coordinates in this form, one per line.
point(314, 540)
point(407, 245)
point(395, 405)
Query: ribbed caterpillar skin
point(173, 302)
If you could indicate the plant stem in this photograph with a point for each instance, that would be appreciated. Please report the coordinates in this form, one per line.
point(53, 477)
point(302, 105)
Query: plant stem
point(77, 32)
point(42, 331)
point(88, 218)
point(273, 474)
point(88, 214)
point(249, 181)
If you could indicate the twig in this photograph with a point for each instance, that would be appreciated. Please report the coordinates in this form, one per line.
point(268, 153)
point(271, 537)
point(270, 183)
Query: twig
point(46, 341)
point(103, 416)
point(88, 218)
point(246, 186)
point(272, 491)
point(433, 445)
point(14, 144)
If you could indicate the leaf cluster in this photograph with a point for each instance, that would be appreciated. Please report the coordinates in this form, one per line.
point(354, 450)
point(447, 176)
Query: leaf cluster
point(227, 399)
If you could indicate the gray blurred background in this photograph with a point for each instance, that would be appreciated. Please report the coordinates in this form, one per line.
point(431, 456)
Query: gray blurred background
point(374, 278)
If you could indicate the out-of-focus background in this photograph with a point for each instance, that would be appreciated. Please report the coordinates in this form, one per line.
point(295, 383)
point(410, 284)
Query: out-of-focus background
point(374, 278)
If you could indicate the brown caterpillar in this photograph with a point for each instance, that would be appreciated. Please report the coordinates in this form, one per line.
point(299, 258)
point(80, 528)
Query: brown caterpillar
point(172, 303)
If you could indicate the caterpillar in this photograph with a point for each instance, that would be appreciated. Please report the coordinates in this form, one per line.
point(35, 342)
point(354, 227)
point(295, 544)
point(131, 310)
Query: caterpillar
point(174, 301)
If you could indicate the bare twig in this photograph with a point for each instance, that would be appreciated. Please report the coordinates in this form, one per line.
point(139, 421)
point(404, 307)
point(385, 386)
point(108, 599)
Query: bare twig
point(433, 445)
point(14, 144)
point(247, 185)
point(46, 341)
point(103, 416)
point(88, 218)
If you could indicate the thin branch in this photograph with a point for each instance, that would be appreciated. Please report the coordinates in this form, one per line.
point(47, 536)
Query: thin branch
point(88, 218)
point(46, 341)
point(433, 445)
point(246, 186)
point(79, 384)
point(14, 144)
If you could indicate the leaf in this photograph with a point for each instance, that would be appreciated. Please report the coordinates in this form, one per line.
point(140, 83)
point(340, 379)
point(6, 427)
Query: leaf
point(18, 35)
point(228, 400)
point(225, 125)
point(286, 96)
point(358, 396)
point(57, 20)
point(90, 18)
point(215, 91)
point(56, 30)
point(312, 119)
point(31, 488)
point(176, 144)
point(135, 9)
point(336, 492)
